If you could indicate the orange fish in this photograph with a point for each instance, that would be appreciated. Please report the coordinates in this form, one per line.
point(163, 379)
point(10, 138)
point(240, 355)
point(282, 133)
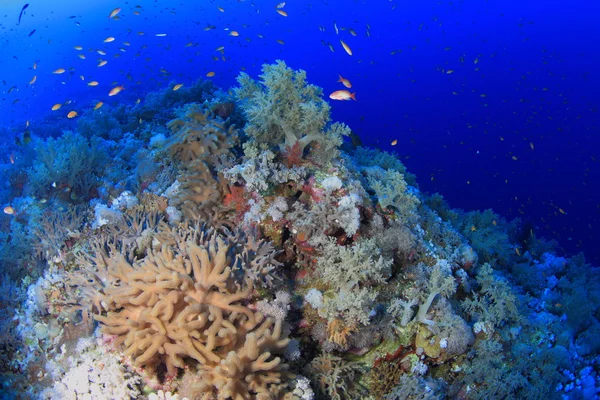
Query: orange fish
point(116, 90)
point(177, 87)
point(114, 12)
point(109, 39)
point(56, 106)
point(72, 114)
point(98, 105)
point(32, 81)
point(210, 74)
point(346, 47)
point(345, 82)
point(281, 12)
point(342, 95)
point(102, 63)
point(9, 210)
point(58, 71)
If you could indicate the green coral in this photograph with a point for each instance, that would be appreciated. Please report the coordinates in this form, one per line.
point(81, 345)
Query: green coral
point(71, 162)
point(351, 272)
point(495, 303)
point(391, 190)
point(285, 111)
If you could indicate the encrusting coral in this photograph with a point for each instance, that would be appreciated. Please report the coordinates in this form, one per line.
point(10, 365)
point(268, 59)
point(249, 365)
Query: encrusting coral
point(190, 301)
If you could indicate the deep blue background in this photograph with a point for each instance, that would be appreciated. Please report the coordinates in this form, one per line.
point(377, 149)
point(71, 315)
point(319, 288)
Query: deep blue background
point(536, 82)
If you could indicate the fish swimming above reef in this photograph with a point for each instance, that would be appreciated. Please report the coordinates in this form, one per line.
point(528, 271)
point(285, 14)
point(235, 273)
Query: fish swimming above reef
point(22, 12)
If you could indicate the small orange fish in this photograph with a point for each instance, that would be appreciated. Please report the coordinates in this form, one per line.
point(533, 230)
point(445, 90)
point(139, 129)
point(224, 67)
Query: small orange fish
point(98, 105)
point(116, 90)
point(177, 87)
point(342, 95)
point(12, 158)
point(101, 52)
point(35, 65)
point(78, 48)
point(346, 47)
point(109, 39)
point(394, 142)
point(345, 82)
point(234, 33)
point(9, 210)
point(102, 63)
point(72, 114)
point(82, 56)
point(161, 34)
point(56, 106)
point(93, 83)
point(58, 71)
point(114, 12)
point(32, 81)
point(281, 12)
point(210, 74)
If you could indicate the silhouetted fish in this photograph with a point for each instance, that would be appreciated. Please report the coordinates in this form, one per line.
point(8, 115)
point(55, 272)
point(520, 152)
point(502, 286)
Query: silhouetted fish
point(22, 11)
point(32, 32)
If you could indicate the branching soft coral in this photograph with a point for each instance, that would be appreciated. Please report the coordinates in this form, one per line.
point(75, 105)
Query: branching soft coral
point(67, 167)
point(286, 112)
point(187, 301)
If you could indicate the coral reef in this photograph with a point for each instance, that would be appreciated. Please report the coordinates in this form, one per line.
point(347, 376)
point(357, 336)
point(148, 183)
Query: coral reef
point(217, 275)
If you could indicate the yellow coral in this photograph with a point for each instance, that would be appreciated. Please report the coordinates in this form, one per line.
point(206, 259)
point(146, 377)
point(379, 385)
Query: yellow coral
point(339, 331)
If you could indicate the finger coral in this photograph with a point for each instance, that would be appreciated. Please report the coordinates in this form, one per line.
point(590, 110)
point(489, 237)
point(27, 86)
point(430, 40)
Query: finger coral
point(189, 301)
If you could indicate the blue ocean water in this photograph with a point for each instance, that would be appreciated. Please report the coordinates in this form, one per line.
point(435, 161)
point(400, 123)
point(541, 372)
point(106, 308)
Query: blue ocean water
point(491, 104)
point(522, 84)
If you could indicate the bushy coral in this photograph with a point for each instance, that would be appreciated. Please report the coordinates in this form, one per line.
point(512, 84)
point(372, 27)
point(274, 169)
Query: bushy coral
point(92, 373)
point(495, 303)
point(335, 377)
point(67, 168)
point(391, 190)
point(262, 172)
point(286, 112)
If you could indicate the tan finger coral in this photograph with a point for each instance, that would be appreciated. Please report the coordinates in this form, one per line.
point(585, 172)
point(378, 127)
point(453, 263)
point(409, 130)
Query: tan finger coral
point(189, 301)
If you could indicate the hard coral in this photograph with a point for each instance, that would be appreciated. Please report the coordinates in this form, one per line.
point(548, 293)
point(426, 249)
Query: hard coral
point(188, 301)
